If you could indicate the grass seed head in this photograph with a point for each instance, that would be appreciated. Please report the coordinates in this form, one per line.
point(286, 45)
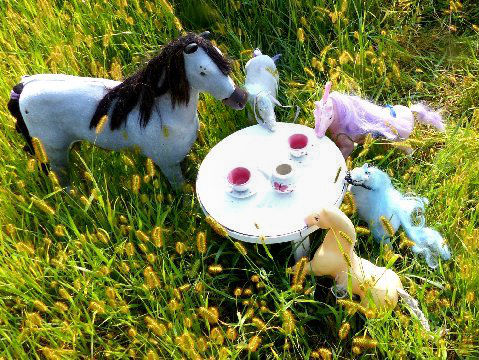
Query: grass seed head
point(60, 230)
point(254, 343)
point(130, 249)
point(154, 326)
point(135, 183)
point(364, 342)
point(132, 332)
point(157, 236)
point(215, 269)
point(344, 330)
point(405, 241)
point(124, 267)
point(289, 322)
point(300, 35)
point(53, 178)
point(210, 314)
point(103, 236)
point(97, 306)
point(216, 226)
point(31, 165)
point(150, 168)
point(39, 150)
point(43, 206)
point(356, 350)
point(300, 271)
point(142, 236)
point(216, 336)
point(361, 230)
point(387, 226)
point(237, 291)
point(201, 344)
point(231, 334)
point(101, 124)
point(325, 354)
point(64, 294)
point(61, 307)
point(151, 279)
point(180, 247)
point(201, 242)
point(40, 306)
point(241, 248)
point(258, 323)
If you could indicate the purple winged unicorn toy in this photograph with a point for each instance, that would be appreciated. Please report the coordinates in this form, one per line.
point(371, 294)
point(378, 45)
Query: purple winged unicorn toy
point(350, 119)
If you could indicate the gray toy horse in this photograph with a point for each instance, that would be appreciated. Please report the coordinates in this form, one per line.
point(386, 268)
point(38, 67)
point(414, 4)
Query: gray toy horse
point(155, 109)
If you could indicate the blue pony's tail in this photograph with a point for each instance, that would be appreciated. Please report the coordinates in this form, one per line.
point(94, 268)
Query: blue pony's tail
point(427, 242)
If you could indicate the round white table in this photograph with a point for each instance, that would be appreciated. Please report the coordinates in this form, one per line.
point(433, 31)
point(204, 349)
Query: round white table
point(267, 215)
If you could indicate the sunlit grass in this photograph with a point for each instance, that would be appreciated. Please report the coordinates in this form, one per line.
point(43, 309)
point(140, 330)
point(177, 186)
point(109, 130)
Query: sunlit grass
point(121, 266)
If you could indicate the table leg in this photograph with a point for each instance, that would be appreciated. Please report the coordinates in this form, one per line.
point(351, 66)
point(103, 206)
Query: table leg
point(300, 248)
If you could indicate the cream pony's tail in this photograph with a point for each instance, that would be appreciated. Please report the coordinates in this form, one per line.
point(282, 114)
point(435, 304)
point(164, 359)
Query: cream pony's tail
point(414, 306)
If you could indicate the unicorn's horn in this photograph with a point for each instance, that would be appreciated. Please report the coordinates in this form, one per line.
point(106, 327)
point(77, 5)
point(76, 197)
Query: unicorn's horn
point(276, 57)
point(327, 88)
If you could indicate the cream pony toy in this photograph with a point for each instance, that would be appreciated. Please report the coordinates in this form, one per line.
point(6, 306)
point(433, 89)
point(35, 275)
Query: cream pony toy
point(336, 258)
point(262, 86)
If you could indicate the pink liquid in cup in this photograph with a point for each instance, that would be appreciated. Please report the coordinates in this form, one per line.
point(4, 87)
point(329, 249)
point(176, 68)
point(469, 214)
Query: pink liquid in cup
point(298, 144)
point(239, 178)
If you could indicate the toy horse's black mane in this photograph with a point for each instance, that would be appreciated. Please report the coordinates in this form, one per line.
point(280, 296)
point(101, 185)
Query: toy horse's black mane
point(143, 86)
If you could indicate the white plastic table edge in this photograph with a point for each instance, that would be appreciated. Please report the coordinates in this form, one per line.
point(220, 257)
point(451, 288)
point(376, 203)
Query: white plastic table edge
point(293, 236)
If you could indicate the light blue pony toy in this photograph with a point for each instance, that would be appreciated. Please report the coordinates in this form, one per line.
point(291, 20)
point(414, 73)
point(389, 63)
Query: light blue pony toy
point(375, 197)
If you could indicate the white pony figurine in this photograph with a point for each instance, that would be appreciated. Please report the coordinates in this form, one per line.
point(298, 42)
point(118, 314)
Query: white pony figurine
point(350, 119)
point(262, 86)
point(375, 197)
point(155, 109)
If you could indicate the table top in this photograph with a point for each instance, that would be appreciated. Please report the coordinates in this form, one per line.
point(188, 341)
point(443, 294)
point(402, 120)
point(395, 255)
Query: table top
point(274, 216)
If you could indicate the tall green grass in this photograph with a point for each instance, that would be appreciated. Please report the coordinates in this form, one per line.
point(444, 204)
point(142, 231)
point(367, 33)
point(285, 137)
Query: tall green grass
point(84, 283)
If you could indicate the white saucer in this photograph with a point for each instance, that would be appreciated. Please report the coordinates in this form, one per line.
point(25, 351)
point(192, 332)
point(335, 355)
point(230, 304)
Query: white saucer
point(242, 194)
point(252, 189)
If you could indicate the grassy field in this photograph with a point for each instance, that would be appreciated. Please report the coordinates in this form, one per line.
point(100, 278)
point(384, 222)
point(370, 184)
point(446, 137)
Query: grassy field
point(112, 271)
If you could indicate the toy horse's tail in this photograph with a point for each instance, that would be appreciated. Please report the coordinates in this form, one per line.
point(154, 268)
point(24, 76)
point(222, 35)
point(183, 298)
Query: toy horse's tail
point(427, 116)
point(14, 108)
point(427, 242)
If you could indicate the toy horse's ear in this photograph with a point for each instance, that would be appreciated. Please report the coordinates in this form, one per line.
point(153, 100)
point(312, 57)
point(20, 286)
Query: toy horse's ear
point(191, 48)
point(327, 89)
point(205, 35)
point(276, 57)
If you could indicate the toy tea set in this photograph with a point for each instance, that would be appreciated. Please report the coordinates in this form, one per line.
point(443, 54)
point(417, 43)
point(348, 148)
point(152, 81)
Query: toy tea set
point(282, 176)
point(348, 118)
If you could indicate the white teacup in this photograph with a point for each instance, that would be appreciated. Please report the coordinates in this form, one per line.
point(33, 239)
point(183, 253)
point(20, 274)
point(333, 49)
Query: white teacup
point(298, 145)
point(282, 177)
point(239, 178)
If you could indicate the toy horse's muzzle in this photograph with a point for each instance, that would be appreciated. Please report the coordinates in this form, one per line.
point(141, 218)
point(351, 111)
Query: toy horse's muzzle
point(354, 182)
point(237, 99)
